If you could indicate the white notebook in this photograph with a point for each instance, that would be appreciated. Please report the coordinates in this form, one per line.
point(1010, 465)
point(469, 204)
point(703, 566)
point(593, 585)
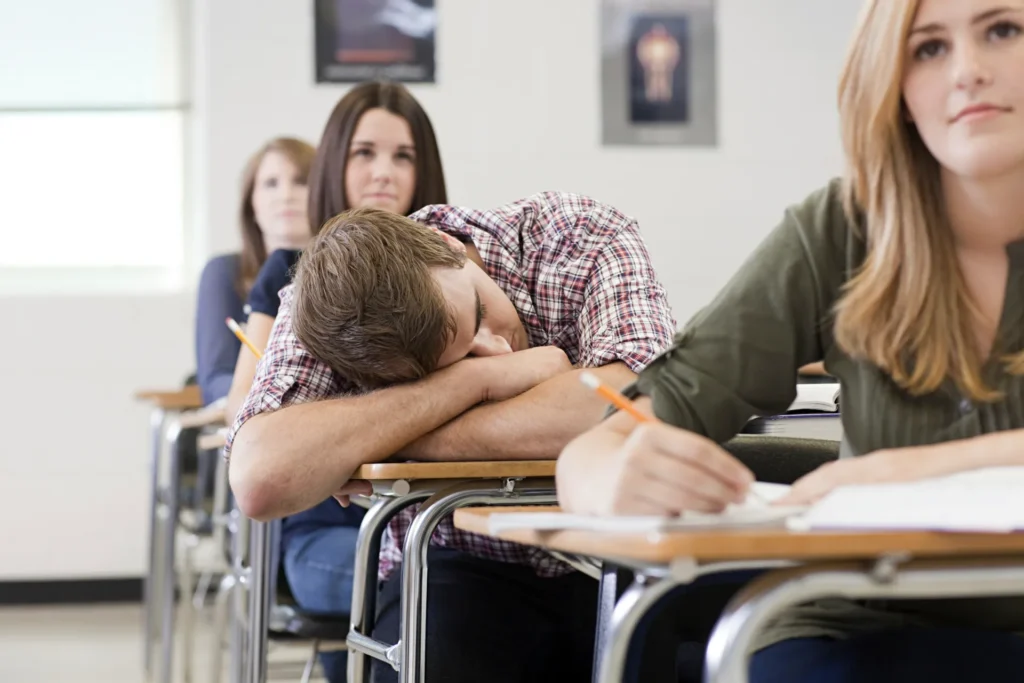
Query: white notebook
point(754, 512)
point(823, 397)
point(986, 500)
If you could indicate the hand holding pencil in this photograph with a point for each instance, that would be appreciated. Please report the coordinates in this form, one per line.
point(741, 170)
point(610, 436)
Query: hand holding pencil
point(679, 470)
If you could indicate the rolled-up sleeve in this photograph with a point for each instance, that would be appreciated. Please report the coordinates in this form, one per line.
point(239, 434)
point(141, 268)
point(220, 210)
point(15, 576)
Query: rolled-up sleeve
point(286, 375)
point(625, 314)
point(740, 355)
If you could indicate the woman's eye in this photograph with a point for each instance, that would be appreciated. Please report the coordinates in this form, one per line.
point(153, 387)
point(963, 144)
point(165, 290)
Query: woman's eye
point(929, 50)
point(1003, 30)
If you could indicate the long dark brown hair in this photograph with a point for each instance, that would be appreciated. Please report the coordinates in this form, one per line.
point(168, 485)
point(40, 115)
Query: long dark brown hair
point(327, 178)
point(254, 250)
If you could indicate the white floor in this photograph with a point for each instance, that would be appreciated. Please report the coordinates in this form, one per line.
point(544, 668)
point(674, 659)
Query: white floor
point(102, 644)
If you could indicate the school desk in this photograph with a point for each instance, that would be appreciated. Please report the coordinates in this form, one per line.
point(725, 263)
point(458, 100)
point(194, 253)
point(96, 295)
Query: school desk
point(804, 566)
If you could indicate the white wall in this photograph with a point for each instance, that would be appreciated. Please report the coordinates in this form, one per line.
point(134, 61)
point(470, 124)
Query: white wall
point(515, 110)
point(74, 454)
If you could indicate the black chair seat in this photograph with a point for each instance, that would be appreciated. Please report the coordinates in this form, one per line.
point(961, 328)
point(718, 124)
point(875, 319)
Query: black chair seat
point(781, 459)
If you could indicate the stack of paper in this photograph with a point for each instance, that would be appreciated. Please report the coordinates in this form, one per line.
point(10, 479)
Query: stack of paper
point(813, 415)
point(986, 500)
point(823, 397)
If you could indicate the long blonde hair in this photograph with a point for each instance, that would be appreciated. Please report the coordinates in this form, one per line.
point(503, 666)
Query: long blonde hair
point(907, 309)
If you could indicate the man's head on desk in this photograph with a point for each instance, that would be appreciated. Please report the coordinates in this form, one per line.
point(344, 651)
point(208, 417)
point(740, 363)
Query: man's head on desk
point(383, 299)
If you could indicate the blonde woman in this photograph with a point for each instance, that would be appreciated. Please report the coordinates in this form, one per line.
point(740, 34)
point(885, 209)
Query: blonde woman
point(906, 277)
point(272, 216)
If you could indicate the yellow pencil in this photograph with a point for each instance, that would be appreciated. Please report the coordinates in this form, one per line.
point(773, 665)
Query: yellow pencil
point(614, 397)
point(241, 337)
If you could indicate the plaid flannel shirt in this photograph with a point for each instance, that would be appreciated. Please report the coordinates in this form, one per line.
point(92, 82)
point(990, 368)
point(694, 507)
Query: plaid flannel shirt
point(580, 277)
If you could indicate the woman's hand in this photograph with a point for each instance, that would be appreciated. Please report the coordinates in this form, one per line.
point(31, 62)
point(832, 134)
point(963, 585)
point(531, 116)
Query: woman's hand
point(619, 468)
point(880, 467)
point(664, 470)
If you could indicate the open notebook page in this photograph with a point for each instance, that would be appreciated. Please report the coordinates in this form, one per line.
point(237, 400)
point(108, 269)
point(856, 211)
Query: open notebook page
point(985, 500)
point(755, 511)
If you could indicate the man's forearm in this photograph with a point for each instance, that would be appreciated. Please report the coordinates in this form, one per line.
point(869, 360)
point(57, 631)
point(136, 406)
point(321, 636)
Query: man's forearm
point(535, 425)
point(292, 459)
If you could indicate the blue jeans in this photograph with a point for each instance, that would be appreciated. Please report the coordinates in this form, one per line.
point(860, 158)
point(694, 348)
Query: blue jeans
point(318, 565)
point(908, 655)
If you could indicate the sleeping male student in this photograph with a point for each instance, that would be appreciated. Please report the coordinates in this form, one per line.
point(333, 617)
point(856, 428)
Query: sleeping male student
point(460, 342)
point(907, 278)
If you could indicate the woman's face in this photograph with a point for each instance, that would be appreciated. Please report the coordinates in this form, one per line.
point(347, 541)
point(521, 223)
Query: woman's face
point(381, 167)
point(279, 201)
point(964, 84)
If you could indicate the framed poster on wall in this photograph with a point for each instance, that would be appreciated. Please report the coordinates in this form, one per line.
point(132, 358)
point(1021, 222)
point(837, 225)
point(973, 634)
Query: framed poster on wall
point(658, 73)
point(360, 40)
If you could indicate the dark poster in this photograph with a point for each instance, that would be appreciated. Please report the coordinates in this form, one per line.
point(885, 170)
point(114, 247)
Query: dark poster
point(360, 40)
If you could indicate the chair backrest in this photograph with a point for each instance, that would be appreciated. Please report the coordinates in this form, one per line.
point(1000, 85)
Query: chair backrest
point(781, 459)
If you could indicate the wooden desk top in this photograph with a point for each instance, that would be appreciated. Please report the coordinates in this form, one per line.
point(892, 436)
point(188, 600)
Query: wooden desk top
point(746, 544)
point(204, 417)
point(410, 471)
point(186, 398)
point(390, 471)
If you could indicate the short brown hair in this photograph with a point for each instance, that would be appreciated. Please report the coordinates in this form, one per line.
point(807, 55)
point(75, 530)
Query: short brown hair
point(254, 250)
point(327, 178)
point(365, 302)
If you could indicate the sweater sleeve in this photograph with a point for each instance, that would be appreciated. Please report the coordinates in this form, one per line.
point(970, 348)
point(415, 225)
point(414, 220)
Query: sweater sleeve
point(739, 357)
point(216, 347)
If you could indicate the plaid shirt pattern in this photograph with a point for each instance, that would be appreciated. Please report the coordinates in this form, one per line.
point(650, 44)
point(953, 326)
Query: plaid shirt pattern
point(580, 277)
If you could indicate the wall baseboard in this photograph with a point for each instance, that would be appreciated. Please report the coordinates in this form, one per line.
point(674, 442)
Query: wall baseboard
point(70, 592)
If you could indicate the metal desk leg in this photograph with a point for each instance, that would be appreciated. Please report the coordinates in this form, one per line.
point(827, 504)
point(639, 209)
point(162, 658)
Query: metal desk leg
point(239, 528)
point(364, 580)
point(731, 641)
point(259, 600)
point(238, 633)
point(221, 621)
point(638, 599)
point(186, 591)
point(170, 527)
point(613, 578)
point(156, 425)
point(414, 558)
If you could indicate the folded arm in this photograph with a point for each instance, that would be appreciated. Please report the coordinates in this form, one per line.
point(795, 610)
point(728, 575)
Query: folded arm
point(289, 460)
point(535, 425)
